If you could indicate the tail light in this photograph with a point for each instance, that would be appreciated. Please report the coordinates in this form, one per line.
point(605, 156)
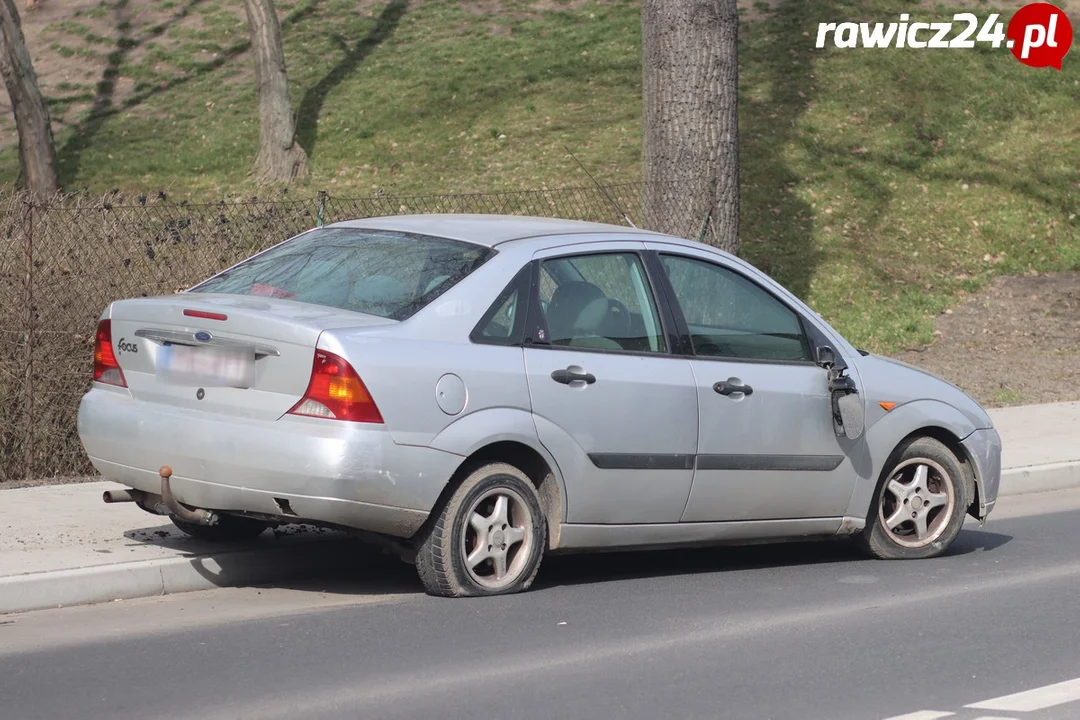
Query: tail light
point(336, 392)
point(106, 368)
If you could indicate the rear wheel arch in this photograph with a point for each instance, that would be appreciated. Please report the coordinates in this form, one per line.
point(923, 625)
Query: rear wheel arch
point(525, 458)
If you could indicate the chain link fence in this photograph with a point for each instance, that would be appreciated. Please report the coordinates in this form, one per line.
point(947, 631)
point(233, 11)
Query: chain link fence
point(64, 259)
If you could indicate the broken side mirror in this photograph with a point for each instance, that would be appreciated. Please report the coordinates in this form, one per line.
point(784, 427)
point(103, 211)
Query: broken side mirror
point(847, 407)
point(848, 416)
point(826, 357)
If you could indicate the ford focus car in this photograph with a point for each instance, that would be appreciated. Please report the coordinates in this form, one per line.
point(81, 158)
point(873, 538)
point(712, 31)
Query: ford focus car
point(479, 391)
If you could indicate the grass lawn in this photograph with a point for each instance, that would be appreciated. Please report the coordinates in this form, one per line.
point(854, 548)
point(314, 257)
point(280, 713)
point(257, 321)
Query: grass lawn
point(880, 184)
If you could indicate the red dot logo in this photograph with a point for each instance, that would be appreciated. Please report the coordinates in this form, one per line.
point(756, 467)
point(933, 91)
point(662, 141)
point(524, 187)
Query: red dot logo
point(1040, 35)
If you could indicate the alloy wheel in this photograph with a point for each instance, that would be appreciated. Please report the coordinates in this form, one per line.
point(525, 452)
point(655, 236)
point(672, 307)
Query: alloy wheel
point(498, 538)
point(917, 503)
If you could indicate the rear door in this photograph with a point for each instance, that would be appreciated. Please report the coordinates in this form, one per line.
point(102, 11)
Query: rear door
point(766, 444)
point(612, 404)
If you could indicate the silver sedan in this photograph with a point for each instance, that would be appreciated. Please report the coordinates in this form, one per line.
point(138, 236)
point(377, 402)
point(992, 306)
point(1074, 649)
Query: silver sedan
point(478, 391)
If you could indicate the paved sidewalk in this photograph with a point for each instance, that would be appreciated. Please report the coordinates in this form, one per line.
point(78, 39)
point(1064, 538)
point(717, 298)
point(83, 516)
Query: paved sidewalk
point(62, 527)
point(61, 545)
point(1040, 447)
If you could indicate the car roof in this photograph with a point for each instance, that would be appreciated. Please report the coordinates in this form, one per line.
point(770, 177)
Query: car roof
point(489, 230)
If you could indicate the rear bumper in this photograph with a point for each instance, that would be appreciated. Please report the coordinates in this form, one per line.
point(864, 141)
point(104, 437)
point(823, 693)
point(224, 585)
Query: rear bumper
point(348, 474)
point(984, 449)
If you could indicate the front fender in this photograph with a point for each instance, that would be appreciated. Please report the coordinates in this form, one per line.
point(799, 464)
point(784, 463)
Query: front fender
point(881, 438)
point(475, 431)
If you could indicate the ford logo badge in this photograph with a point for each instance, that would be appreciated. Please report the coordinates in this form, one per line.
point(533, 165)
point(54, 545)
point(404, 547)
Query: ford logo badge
point(203, 336)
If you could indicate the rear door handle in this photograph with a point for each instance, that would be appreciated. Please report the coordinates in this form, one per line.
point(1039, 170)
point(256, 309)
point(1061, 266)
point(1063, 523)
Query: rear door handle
point(733, 386)
point(569, 375)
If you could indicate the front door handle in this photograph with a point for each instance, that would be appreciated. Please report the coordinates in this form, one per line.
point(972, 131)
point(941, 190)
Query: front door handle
point(571, 374)
point(733, 386)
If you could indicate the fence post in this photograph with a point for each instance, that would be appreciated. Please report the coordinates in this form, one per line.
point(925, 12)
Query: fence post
point(29, 319)
point(320, 204)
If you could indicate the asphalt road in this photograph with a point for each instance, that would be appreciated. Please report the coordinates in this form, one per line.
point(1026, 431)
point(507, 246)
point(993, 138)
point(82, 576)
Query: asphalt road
point(784, 631)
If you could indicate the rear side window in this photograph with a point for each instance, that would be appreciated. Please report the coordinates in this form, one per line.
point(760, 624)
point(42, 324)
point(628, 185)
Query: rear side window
point(600, 301)
point(504, 322)
point(377, 272)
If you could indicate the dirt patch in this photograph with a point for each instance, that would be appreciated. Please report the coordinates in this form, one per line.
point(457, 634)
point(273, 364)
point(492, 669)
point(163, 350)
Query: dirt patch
point(1015, 343)
point(757, 10)
point(84, 51)
point(498, 7)
point(520, 10)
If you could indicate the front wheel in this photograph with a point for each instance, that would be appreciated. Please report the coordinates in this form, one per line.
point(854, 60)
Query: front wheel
point(488, 539)
point(920, 504)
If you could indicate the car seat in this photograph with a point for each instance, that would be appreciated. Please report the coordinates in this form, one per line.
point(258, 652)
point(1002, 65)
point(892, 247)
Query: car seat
point(576, 314)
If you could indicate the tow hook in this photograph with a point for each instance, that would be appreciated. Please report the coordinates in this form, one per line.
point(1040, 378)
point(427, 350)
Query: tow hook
point(183, 512)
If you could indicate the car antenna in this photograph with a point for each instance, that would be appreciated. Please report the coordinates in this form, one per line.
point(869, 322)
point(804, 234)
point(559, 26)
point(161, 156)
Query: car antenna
point(603, 190)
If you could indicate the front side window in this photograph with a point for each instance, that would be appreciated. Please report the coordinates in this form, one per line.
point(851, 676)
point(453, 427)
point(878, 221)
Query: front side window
point(378, 272)
point(732, 316)
point(600, 301)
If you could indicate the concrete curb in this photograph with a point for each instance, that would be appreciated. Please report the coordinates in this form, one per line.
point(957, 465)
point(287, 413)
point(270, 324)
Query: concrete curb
point(1040, 478)
point(261, 566)
point(145, 578)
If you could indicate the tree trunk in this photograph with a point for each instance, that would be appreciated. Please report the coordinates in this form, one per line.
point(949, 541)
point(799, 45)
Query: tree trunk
point(37, 153)
point(280, 158)
point(691, 119)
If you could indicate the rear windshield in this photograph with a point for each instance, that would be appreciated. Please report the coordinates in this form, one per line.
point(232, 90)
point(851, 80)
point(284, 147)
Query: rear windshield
point(377, 272)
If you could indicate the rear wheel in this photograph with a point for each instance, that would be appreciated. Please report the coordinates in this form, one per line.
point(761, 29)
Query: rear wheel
point(920, 504)
point(229, 528)
point(488, 539)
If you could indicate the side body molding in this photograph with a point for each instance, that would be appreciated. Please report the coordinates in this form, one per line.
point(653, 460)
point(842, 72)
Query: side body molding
point(485, 427)
point(872, 451)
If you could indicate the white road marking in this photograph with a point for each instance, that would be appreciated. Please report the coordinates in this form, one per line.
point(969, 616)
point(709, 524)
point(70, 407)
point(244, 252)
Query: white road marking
point(1031, 700)
point(923, 715)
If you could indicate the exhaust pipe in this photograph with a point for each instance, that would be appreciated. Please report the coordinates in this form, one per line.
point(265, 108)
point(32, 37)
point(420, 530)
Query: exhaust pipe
point(118, 496)
point(149, 502)
point(183, 512)
point(128, 495)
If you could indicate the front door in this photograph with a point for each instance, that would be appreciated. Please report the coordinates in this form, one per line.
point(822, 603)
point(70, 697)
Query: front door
point(613, 406)
point(766, 445)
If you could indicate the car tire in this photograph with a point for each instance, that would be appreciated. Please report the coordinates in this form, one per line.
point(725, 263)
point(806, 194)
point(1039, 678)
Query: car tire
point(496, 506)
point(229, 528)
point(920, 503)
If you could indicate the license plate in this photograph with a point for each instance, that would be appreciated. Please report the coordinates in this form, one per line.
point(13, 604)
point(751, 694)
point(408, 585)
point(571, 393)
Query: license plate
point(205, 366)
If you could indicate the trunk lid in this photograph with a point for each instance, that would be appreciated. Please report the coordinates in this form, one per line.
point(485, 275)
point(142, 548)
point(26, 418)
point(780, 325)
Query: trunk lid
point(248, 356)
